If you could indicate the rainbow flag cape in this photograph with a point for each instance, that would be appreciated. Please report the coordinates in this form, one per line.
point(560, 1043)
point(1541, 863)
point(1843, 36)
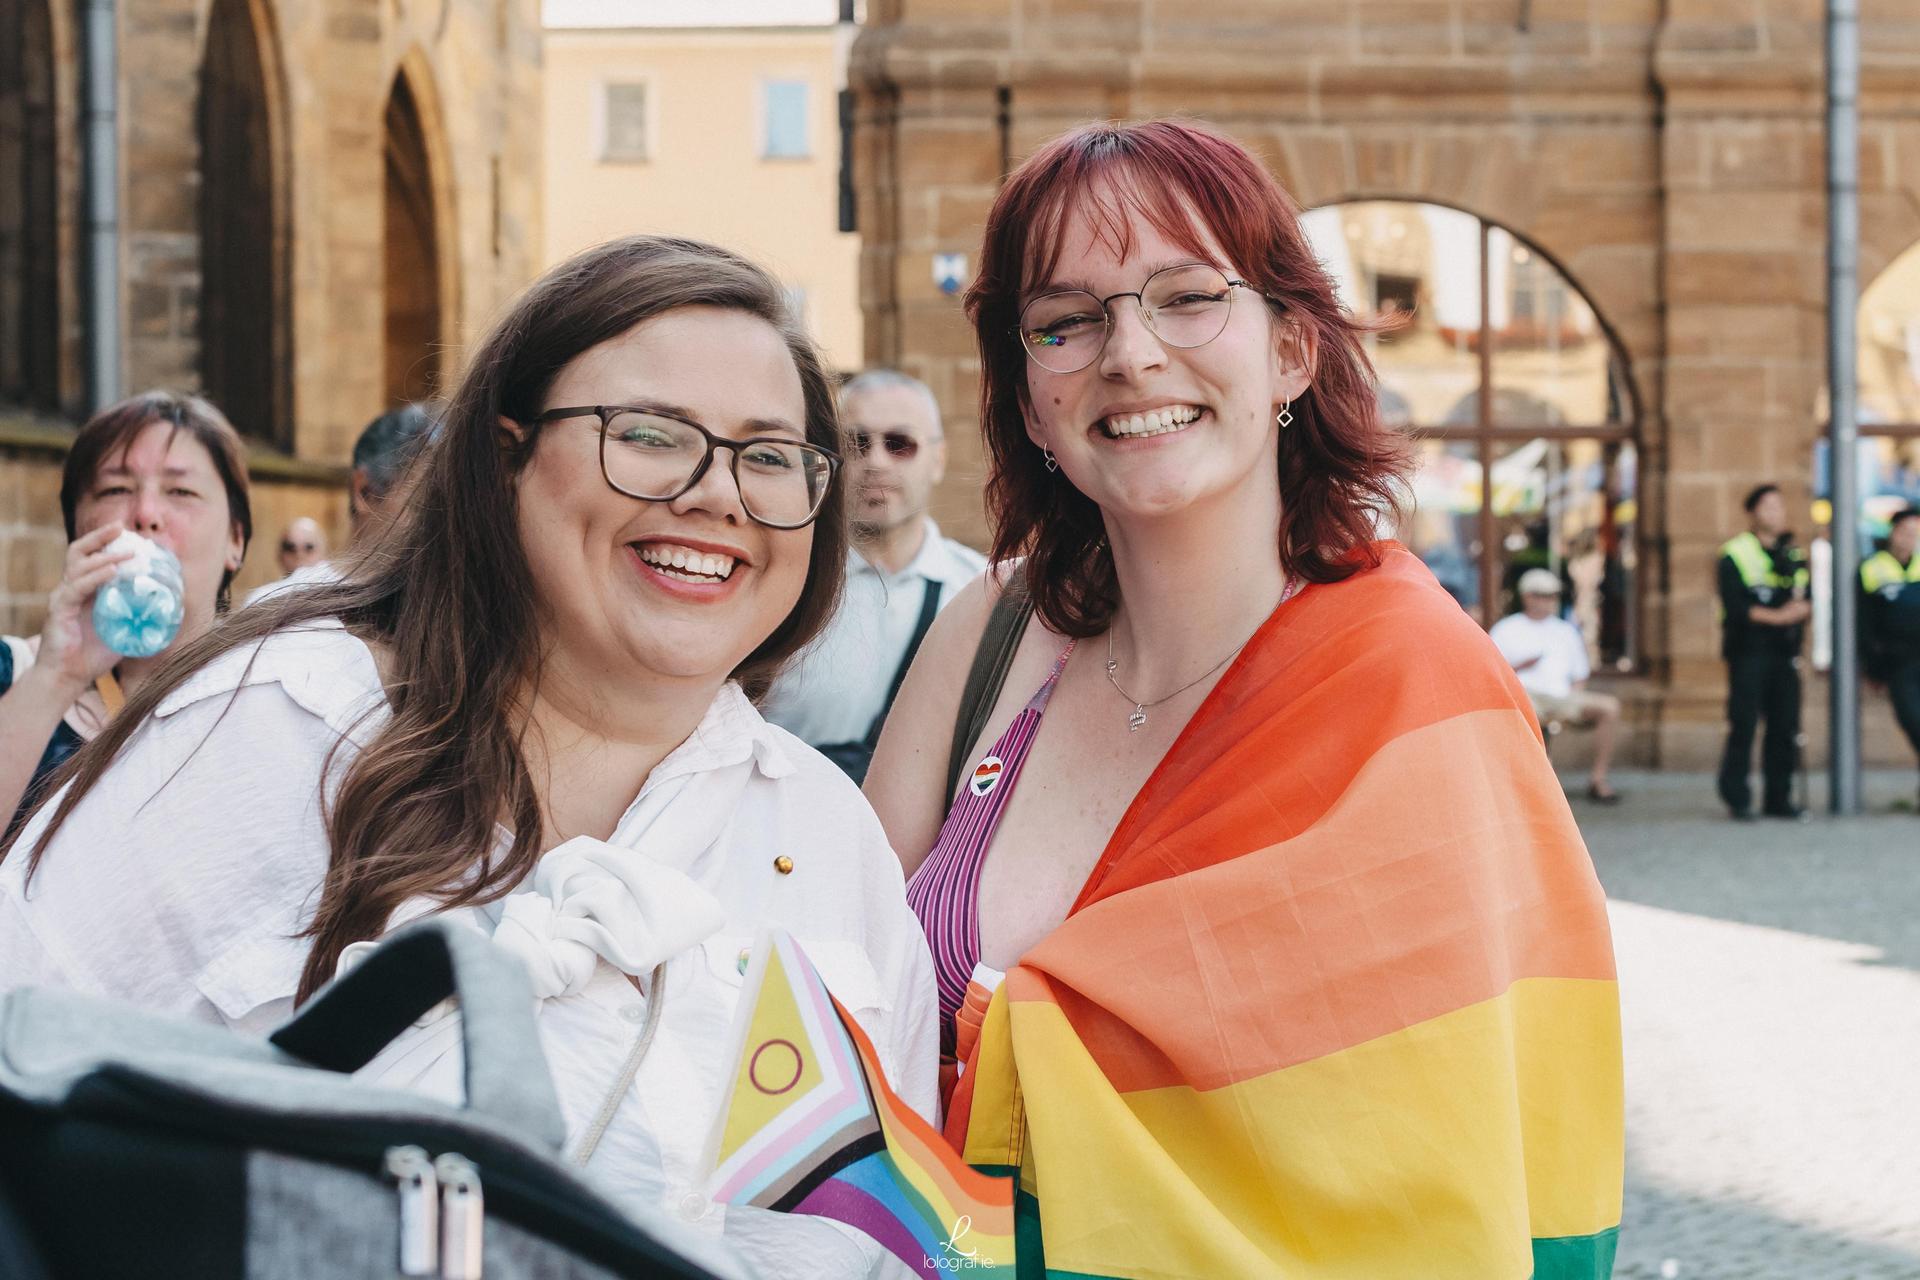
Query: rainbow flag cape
point(1337, 1001)
point(811, 1126)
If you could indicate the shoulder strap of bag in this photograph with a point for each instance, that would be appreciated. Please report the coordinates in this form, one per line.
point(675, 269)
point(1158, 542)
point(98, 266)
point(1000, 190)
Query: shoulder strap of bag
point(929, 606)
point(360, 1012)
point(1005, 625)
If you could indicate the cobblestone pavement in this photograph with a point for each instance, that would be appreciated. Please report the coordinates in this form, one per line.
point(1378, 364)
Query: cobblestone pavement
point(1770, 988)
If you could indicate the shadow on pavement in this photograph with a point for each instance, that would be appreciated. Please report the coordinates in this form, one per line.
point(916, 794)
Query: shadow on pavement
point(1707, 1239)
point(1857, 879)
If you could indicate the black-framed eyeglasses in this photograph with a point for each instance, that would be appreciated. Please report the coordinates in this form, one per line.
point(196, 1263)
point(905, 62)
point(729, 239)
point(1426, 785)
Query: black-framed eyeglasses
point(655, 456)
point(1186, 305)
point(899, 445)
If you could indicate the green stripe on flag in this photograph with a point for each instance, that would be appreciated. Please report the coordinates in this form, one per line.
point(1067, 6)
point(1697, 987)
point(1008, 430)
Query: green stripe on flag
point(1576, 1257)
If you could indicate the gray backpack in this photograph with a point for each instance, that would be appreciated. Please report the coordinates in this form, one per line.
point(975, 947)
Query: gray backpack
point(139, 1145)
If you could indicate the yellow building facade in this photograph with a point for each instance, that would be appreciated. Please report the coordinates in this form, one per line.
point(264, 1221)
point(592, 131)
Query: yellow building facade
point(719, 122)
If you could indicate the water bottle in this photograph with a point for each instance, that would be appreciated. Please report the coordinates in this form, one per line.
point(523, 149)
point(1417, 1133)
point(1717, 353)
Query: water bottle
point(139, 612)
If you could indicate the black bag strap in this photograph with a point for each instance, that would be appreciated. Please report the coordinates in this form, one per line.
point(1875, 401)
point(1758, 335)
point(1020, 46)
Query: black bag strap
point(991, 661)
point(359, 1013)
point(929, 606)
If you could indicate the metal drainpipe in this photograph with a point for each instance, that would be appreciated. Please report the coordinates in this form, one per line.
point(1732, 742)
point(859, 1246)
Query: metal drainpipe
point(102, 143)
point(1843, 286)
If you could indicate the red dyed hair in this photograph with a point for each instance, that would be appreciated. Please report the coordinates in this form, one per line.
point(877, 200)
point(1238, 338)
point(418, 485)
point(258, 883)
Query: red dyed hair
point(1340, 469)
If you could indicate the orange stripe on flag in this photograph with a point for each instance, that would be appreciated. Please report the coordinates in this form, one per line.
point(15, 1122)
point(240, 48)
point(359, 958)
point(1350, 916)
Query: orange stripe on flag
point(1426, 889)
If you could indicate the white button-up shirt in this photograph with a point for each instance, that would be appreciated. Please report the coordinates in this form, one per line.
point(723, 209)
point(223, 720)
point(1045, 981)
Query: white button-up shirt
point(181, 881)
point(836, 687)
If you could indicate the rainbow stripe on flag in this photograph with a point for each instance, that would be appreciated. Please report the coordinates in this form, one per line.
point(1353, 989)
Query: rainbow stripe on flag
point(811, 1126)
point(1338, 1001)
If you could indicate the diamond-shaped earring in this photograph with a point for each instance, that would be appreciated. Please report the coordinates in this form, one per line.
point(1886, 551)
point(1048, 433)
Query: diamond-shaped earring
point(1284, 418)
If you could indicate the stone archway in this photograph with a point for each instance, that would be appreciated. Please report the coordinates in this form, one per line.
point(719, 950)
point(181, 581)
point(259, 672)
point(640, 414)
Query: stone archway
point(1520, 395)
point(30, 258)
point(245, 340)
point(414, 317)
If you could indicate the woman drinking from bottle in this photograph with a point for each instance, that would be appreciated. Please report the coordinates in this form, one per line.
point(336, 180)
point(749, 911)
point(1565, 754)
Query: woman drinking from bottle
point(171, 469)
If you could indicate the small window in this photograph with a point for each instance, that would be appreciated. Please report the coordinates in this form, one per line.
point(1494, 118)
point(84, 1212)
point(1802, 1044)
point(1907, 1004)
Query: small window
point(784, 128)
point(626, 122)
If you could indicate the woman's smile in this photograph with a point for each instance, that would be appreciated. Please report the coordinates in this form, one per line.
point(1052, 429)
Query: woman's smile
point(1141, 424)
point(701, 572)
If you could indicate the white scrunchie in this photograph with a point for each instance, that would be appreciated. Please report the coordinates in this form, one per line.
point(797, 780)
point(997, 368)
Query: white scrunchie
point(590, 900)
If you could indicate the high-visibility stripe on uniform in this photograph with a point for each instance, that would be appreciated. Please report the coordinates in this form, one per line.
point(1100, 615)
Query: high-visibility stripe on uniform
point(1756, 566)
point(1880, 570)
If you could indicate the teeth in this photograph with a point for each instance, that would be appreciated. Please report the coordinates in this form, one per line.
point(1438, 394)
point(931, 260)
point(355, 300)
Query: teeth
point(690, 565)
point(1154, 422)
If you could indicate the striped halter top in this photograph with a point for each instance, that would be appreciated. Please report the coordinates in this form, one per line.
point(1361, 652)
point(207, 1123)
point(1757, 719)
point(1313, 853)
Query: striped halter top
point(945, 891)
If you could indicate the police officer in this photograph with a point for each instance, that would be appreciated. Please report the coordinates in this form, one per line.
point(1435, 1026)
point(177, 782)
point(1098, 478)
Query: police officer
point(1764, 610)
point(1890, 619)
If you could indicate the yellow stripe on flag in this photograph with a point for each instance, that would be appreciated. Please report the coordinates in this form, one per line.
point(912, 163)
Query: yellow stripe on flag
point(1400, 1156)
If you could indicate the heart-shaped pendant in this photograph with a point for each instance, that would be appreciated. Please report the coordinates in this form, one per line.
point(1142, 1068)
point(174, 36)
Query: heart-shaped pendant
point(1138, 718)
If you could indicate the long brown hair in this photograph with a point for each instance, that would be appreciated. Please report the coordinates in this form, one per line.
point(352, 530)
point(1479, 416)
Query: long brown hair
point(1340, 468)
point(447, 589)
point(112, 429)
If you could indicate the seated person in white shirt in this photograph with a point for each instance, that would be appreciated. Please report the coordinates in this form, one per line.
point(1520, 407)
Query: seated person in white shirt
point(1548, 654)
point(900, 572)
point(528, 707)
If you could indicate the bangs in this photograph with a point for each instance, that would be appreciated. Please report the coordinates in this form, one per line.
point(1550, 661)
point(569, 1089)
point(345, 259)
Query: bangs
point(1111, 192)
point(1208, 195)
point(114, 455)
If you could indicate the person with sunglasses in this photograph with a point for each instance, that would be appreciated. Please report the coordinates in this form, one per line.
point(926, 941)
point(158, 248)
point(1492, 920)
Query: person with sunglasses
point(1265, 941)
point(529, 706)
point(302, 543)
point(901, 571)
point(303, 560)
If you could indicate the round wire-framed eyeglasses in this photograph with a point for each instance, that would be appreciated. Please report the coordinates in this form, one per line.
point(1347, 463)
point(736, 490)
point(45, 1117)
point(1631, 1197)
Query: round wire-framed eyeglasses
point(1186, 305)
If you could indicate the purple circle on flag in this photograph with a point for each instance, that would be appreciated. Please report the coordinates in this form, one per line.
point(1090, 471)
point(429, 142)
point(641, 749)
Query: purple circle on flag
point(753, 1067)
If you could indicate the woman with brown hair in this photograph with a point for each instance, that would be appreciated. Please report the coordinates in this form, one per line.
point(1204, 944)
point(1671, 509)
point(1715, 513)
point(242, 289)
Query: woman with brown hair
point(528, 705)
point(1265, 942)
point(170, 468)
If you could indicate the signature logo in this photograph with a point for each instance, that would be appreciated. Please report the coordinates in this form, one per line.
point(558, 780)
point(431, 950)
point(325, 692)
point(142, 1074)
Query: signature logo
point(952, 1256)
point(961, 1227)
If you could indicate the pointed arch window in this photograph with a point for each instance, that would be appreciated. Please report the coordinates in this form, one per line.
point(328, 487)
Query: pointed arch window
point(30, 255)
point(413, 292)
point(245, 331)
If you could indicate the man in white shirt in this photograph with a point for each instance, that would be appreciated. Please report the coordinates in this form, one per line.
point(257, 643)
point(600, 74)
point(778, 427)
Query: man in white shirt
point(1548, 654)
point(900, 572)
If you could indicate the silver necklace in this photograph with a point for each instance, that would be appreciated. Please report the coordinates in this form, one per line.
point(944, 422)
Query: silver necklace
point(1139, 717)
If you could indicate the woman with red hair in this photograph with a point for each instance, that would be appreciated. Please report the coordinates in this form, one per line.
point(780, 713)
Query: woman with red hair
point(1266, 943)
